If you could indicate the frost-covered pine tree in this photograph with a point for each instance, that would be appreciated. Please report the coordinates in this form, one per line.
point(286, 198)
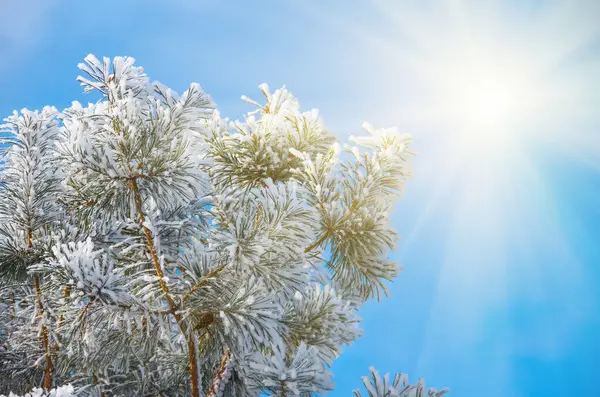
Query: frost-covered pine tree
point(150, 247)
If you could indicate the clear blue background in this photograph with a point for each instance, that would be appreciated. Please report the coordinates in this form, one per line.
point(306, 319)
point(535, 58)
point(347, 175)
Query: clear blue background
point(499, 293)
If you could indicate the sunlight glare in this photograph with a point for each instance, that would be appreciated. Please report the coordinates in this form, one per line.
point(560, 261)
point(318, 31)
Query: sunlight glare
point(486, 103)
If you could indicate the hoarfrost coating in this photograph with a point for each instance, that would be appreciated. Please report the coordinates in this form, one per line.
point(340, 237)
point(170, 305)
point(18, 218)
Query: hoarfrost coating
point(150, 246)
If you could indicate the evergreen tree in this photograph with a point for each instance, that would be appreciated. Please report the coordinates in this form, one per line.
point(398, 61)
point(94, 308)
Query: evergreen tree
point(149, 246)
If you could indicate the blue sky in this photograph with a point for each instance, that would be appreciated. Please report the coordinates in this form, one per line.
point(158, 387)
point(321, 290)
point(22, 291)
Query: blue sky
point(500, 225)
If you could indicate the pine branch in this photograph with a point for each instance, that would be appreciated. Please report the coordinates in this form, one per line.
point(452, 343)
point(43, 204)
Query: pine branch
point(220, 378)
point(203, 281)
point(161, 279)
point(49, 369)
point(12, 308)
point(317, 243)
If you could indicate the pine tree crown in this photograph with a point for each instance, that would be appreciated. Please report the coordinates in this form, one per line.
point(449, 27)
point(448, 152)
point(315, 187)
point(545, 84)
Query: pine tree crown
point(149, 246)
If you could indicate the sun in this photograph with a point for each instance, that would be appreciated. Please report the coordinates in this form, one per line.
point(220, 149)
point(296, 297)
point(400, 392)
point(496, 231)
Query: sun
point(486, 108)
point(486, 103)
point(488, 97)
point(485, 97)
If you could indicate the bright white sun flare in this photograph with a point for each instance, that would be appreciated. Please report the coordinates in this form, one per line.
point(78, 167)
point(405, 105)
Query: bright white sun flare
point(486, 103)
